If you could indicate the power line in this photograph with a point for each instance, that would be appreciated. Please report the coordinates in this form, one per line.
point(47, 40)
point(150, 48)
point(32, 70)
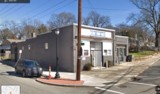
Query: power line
point(4, 7)
point(59, 8)
point(42, 4)
point(17, 9)
point(48, 8)
point(92, 7)
point(107, 9)
point(8, 9)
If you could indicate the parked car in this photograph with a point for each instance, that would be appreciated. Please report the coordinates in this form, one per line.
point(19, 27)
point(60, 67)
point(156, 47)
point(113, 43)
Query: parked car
point(28, 68)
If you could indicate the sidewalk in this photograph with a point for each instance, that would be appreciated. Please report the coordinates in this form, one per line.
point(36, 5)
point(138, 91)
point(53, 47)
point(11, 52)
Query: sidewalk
point(115, 75)
point(70, 77)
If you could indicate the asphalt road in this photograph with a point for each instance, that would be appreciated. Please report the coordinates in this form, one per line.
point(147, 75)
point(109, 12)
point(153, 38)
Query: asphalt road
point(30, 86)
point(146, 85)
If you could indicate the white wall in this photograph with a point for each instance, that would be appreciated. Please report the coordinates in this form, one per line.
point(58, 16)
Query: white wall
point(107, 48)
point(86, 46)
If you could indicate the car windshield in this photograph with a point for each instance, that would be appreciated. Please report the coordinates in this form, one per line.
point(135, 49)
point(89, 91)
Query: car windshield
point(31, 63)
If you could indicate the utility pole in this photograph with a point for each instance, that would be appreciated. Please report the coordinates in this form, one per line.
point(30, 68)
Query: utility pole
point(78, 74)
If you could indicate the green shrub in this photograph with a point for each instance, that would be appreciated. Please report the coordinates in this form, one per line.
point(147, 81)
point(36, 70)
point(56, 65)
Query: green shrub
point(87, 67)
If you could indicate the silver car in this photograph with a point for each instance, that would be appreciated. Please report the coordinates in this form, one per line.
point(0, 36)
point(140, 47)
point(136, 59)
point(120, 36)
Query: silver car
point(28, 68)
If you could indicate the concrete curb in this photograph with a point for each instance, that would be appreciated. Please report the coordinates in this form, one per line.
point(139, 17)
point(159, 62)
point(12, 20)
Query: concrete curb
point(64, 85)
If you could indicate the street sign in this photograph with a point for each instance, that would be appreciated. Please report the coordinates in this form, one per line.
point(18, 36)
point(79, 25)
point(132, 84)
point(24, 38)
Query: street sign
point(14, 1)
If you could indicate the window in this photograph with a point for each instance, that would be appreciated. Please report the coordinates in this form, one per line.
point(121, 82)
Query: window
point(86, 53)
point(109, 52)
point(29, 47)
point(105, 52)
point(46, 46)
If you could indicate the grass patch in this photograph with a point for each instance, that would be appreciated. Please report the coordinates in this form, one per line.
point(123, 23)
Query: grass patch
point(140, 55)
point(5, 58)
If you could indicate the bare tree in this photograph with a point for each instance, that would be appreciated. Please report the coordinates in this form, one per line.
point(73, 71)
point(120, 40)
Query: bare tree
point(42, 29)
point(61, 19)
point(12, 26)
point(97, 20)
point(150, 15)
point(138, 37)
point(28, 27)
point(86, 21)
point(123, 29)
point(39, 27)
point(5, 34)
point(21, 30)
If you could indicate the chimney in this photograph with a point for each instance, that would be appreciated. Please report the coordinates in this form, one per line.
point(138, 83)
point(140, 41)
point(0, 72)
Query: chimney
point(33, 35)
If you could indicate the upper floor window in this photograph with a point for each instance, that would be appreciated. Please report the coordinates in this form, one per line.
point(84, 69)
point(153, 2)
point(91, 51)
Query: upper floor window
point(46, 46)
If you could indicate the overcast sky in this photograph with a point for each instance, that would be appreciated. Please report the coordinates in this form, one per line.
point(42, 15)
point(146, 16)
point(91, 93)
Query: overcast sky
point(117, 10)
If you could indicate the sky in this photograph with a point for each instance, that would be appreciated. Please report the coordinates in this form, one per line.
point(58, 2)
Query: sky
point(117, 10)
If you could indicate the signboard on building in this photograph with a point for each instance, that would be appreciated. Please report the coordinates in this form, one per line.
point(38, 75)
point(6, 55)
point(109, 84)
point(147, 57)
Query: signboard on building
point(96, 33)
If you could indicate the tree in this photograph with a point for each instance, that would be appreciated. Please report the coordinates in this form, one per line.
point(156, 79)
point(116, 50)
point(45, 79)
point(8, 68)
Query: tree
point(42, 29)
point(123, 29)
point(12, 26)
point(31, 26)
point(97, 20)
point(22, 30)
point(28, 28)
point(86, 21)
point(132, 30)
point(61, 19)
point(138, 37)
point(6, 34)
point(150, 15)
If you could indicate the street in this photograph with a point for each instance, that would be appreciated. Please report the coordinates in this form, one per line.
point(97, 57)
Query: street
point(146, 85)
point(30, 86)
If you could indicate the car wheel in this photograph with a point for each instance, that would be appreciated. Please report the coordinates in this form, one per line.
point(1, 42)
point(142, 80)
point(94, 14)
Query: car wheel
point(24, 74)
point(39, 75)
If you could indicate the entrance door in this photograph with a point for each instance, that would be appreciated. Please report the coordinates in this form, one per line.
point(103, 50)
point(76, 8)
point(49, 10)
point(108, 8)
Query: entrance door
point(120, 54)
point(96, 54)
point(98, 58)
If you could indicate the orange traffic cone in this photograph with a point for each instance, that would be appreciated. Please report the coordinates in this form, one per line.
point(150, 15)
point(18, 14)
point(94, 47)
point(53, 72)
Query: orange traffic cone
point(49, 76)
